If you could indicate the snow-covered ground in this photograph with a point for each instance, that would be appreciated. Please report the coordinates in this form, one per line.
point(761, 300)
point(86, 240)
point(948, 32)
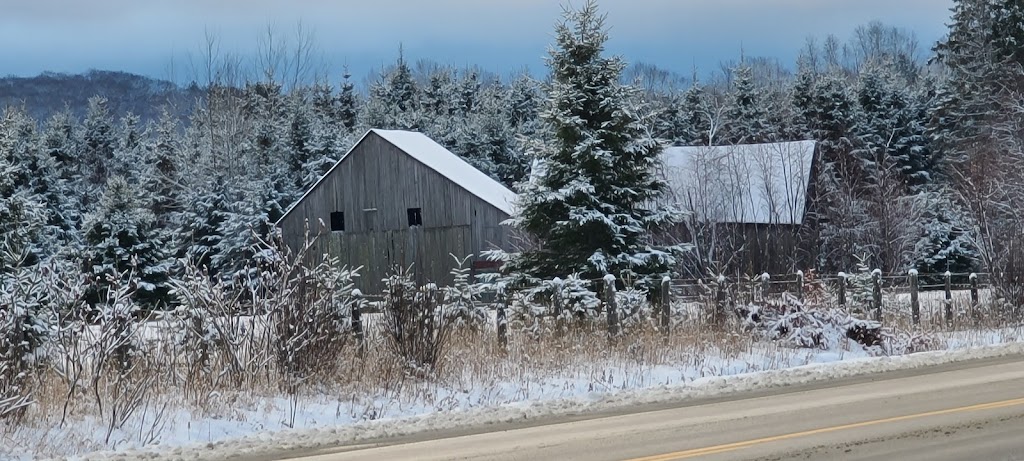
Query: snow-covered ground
point(251, 423)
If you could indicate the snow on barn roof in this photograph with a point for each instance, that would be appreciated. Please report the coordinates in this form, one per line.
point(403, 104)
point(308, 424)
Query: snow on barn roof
point(436, 157)
point(750, 184)
point(449, 165)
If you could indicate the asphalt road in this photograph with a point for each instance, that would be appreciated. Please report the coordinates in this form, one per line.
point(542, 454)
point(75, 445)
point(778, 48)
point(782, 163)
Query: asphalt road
point(967, 411)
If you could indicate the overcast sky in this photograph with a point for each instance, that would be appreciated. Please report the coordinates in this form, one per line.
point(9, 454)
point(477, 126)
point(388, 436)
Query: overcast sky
point(147, 36)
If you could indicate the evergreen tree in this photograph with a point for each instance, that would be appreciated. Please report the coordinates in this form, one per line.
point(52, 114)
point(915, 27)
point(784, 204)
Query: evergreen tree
point(469, 91)
point(588, 205)
point(313, 140)
point(131, 159)
point(348, 103)
point(982, 53)
point(945, 243)
point(696, 129)
point(802, 97)
point(395, 99)
point(22, 213)
point(59, 143)
point(122, 239)
point(524, 104)
point(747, 116)
point(165, 154)
point(486, 140)
point(99, 141)
point(847, 227)
point(201, 222)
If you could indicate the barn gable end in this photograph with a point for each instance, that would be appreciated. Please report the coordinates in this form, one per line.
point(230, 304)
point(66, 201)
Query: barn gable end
point(403, 200)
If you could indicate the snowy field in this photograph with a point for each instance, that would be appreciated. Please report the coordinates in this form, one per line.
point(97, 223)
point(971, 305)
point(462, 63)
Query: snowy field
point(477, 384)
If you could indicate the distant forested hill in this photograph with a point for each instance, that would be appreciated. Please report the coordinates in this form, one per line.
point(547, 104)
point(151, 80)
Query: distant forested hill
point(50, 92)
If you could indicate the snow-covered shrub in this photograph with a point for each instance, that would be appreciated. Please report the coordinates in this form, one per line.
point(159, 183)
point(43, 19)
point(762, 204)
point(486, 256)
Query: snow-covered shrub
point(309, 305)
point(902, 342)
point(210, 326)
point(25, 315)
point(15, 359)
point(116, 342)
point(634, 306)
point(462, 298)
point(417, 327)
point(574, 293)
point(31, 300)
point(559, 299)
point(860, 287)
point(797, 325)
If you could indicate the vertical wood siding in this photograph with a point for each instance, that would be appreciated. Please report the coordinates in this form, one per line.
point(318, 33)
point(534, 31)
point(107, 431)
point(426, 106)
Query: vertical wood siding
point(374, 186)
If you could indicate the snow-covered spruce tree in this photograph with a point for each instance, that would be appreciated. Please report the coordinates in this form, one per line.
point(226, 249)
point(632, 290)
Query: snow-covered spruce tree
point(831, 116)
point(348, 103)
point(977, 127)
point(200, 223)
point(129, 155)
point(24, 314)
point(31, 193)
point(747, 116)
point(524, 100)
point(697, 118)
point(165, 154)
point(99, 139)
point(486, 140)
point(394, 99)
point(312, 141)
point(121, 239)
point(860, 285)
point(801, 94)
point(945, 244)
point(588, 204)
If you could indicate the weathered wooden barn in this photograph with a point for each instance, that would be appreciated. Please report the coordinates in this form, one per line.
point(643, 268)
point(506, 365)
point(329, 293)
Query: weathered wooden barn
point(751, 206)
point(396, 199)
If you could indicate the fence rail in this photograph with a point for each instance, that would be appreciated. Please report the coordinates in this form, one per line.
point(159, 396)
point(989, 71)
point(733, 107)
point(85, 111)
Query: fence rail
point(870, 290)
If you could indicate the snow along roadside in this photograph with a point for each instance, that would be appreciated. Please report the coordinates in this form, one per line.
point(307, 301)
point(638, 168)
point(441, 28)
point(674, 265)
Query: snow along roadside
point(710, 387)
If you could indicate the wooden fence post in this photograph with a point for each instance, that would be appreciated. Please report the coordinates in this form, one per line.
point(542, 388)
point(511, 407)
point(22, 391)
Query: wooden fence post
point(841, 294)
point(720, 308)
point(800, 285)
point(556, 299)
point(975, 300)
point(666, 306)
point(915, 305)
point(357, 321)
point(876, 278)
point(611, 310)
point(504, 300)
point(766, 286)
point(750, 288)
point(949, 298)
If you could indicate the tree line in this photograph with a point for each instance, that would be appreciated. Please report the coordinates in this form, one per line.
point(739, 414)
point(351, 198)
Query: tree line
point(919, 163)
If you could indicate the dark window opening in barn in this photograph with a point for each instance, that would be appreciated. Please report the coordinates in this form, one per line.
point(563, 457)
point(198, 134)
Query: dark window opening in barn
point(415, 217)
point(337, 221)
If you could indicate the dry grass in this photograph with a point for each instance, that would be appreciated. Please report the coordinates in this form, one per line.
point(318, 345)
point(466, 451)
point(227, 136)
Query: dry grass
point(207, 374)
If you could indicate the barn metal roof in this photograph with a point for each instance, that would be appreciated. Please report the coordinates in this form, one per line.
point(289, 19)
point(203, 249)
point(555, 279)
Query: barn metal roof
point(451, 166)
point(751, 184)
point(438, 158)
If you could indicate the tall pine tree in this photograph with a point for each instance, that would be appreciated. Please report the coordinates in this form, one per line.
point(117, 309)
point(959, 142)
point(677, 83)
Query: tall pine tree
point(589, 202)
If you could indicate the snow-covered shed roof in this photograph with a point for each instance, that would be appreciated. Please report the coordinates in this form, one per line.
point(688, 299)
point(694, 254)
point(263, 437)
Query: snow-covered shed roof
point(436, 157)
point(749, 184)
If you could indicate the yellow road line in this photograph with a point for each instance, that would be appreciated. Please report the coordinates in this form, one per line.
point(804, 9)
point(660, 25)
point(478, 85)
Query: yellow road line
point(749, 443)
